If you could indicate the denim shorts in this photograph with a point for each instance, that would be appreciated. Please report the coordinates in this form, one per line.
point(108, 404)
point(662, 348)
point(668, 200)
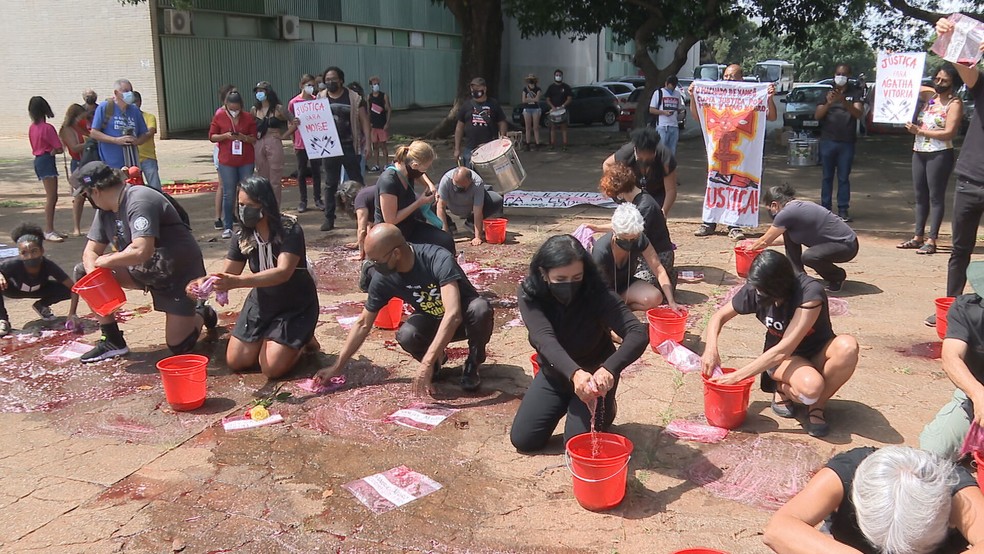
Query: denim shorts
point(44, 166)
point(532, 111)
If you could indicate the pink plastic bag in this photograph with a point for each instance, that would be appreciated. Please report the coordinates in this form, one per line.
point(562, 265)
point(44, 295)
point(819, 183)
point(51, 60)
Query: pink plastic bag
point(204, 290)
point(679, 356)
point(585, 236)
point(696, 432)
point(963, 44)
point(974, 441)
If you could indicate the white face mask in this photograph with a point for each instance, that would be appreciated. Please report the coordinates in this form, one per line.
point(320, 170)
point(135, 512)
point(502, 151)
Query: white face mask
point(840, 80)
point(558, 78)
point(375, 88)
point(234, 113)
point(309, 89)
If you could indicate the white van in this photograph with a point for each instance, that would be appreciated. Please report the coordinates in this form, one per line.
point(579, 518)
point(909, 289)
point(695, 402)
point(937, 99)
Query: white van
point(709, 72)
point(782, 73)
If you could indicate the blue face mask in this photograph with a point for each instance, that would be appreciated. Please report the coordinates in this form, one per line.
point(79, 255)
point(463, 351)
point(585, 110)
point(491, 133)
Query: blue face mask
point(128, 97)
point(260, 96)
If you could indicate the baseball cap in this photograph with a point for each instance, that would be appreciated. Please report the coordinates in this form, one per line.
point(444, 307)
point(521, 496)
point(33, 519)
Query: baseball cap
point(90, 174)
point(477, 82)
point(975, 276)
point(265, 85)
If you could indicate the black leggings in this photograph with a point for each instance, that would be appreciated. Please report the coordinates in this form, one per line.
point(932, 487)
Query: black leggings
point(821, 257)
point(549, 397)
point(968, 205)
point(416, 335)
point(304, 170)
point(49, 293)
point(930, 176)
point(424, 233)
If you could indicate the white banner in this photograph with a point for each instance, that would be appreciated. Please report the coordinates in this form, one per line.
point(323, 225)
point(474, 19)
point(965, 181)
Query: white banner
point(542, 199)
point(732, 118)
point(317, 127)
point(897, 81)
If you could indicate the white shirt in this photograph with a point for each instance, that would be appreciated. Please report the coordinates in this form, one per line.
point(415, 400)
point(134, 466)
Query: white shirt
point(672, 101)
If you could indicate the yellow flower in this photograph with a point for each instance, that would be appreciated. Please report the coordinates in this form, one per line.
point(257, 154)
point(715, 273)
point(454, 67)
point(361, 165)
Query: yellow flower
point(258, 413)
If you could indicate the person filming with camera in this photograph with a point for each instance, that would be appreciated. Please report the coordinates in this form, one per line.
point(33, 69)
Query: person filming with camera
point(119, 128)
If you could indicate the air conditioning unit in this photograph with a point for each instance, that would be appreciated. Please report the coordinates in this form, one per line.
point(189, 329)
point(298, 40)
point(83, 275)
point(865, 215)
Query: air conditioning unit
point(290, 27)
point(177, 22)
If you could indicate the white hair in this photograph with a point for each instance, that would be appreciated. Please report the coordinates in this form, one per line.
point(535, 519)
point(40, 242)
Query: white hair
point(118, 84)
point(902, 496)
point(627, 220)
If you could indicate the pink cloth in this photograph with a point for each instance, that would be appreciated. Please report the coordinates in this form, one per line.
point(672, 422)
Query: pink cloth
point(205, 290)
point(974, 441)
point(44, 138)
point(585, 236)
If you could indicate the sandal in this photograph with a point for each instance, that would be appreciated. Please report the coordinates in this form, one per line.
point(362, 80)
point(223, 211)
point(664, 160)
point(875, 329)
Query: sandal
point(927, 249)
point(817, 429)
point(783, 407)
point(910, 244)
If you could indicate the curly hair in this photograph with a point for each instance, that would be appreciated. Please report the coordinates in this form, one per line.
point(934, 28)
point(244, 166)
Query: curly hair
point(30, 232)
point(617, 179)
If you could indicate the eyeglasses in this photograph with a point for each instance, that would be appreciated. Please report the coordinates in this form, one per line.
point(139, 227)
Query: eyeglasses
point(385, 258)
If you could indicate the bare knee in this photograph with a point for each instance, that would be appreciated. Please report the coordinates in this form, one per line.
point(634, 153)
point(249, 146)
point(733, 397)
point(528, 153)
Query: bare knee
point(275, 369)
point(844, 349)
point(809, 385)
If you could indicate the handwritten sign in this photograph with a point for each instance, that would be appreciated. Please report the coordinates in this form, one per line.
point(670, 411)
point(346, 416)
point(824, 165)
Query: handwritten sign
point(544, 199)
point(897, 83)
point(317, 128)
point(963, 45)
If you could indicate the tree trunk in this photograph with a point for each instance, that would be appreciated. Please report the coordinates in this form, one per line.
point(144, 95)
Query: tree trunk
point(655, 76)
point(481, 52)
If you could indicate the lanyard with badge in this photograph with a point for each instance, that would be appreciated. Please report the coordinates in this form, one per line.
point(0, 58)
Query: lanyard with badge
point(237, 145)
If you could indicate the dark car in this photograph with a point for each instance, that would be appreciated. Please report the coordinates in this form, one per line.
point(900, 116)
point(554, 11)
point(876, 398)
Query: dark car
point(634, 80)
point(591, 104)
point(626, 118)
point(801, 106)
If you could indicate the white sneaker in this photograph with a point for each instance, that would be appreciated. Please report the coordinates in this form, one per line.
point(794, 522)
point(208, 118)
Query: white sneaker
point(227, 233)
point(4, 327)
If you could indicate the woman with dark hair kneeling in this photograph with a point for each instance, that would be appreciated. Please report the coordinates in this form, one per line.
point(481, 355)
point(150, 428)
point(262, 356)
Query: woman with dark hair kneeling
point(804, 362)
point(278, 319)
point(570, 314)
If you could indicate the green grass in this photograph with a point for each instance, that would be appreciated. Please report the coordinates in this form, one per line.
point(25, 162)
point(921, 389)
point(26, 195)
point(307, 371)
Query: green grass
point(20, 204)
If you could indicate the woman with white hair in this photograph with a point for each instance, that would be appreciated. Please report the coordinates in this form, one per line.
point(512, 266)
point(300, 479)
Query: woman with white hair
point(897, 500)
point(617, 255)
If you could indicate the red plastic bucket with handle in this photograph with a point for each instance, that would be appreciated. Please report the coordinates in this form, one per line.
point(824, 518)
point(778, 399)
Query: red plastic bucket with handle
point(599, 464)
point(184, 378)
point(725, 405)
point(536, 364)
point(700, 551)
point(100, 291)
point(743, 260)
point(665, 324)
point(495, 230)
point(391, 315)
point(942, 307)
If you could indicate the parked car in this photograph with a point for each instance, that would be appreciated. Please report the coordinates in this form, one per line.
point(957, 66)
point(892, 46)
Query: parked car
point(620, 89)
point(591, 104)
point(634, 80)
point(626, 118)
point(801, 106)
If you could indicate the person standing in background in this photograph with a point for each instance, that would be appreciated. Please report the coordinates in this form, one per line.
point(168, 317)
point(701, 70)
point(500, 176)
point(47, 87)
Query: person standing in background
point(44, 145)
point(235, 133)
point(380, 114)
point(480, 120)
point(350, 126)
point(665, 105)
point(120, 130)
point(305, 166)
point(91, 100)
point(148, 150)
point(223, 92)
point(271, 123)
point(530, 98)
point(72, 135)
point(366, 135)
point(559, 95)
point(838, 115)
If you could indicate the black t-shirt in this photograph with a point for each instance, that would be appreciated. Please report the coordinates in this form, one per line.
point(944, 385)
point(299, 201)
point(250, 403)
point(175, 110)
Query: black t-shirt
point(366, 199)
point(844, 522)
point(652, 215)
point(777, 318)
point(18, 279)
point(341, 112)
point(839, 125)
point(529, 94)
point(377, 110)
point(965, 321)
point(390, 182)
point(649, 177)
point(481, 121)
point(970, 164)
point(420, 287)
point(297, 291)
point(558, 93)
point(619, 277)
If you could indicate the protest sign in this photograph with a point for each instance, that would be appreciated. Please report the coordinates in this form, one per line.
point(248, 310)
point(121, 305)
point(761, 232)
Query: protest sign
point(897, 83)
point(542, 199)
point(317, 128)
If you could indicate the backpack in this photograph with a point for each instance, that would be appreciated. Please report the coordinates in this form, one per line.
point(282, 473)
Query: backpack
point(90, 150)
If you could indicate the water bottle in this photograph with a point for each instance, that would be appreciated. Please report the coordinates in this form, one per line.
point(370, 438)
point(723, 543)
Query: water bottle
point(461, 258)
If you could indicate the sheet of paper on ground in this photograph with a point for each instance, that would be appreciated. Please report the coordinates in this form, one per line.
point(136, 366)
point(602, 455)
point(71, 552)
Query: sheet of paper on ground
point(390, 489)
point(421, 416)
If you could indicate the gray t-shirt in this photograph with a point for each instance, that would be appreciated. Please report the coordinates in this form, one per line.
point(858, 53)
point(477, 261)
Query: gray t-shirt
point(462, 204)
point(810, 224)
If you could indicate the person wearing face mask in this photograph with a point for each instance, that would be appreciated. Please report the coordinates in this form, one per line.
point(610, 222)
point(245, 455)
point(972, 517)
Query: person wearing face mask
point(828, 240)
point(352, 124)
point(271, 127)
point(305, 167)
point(932, 154)
point(570, 314)
point(118, 126)
point(447, 308)
point(235, 133)
point(463, 193)
point(32, 275)
point(617, 255)
point(153, 250)
point(530, 98)
point(652, 163)
point(224, 91)
point(277, 321)
point(838, 115)
point(90, 101)
point(480, 120)
point(380, 116)
point(559, 95)
point(804, 361)
point(72, 134)
point(665, 105)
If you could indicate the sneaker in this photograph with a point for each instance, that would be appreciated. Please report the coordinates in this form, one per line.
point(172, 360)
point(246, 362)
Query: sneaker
point(842, 214)
point(105, 350)
point(227, 233)
point(52, 236)
point(735, 233)
point(208, 314)
point(834, 286)
point(319, 205)
point(364, 276)
point(4, 327)
point(217, 225)
point(470, 379)
point(302, 207)
point(43, 311)
point(374, 169)
point(328, 225)
point(930, 321)
point(704, 230)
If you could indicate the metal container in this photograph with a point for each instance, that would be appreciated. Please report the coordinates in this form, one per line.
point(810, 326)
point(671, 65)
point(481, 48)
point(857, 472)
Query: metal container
point(499, 165)
point(804, 152)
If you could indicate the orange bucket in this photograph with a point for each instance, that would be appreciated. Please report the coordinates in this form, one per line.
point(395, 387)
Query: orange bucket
point(184, 380)
point(942, 307)
point(100, 291)
point(495, 230)
point(700, 551)
point(599, 463)
point(743, 260)
point(665, 325)
point(725, 405)
point(536, 364)
point(391, 315)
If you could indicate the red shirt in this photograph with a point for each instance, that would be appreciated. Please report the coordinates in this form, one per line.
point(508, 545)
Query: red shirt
point(222, 123)
point(44, 138)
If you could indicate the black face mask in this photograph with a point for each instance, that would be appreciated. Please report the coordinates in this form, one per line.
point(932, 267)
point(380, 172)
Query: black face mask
point(413, 174)
point(332, 86)
point(476, 94)
point(564, 292)
point(33, 263)
point(772, 215)
point(628, 245)
point(940, 89)
point(250, 216)
point(457, 188)
point(383, 269)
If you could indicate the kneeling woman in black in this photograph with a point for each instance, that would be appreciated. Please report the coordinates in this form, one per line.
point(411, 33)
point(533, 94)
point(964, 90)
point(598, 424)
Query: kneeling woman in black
point(570, 314)
point(278, 319)
point(804, 362)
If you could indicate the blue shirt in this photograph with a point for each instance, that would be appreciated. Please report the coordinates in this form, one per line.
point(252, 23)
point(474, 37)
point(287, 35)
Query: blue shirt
point(112, 154)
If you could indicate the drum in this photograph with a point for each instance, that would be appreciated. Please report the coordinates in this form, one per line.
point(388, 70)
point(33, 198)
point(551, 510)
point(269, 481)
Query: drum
point(558, 115)
point(804, 152)
point(499, 165)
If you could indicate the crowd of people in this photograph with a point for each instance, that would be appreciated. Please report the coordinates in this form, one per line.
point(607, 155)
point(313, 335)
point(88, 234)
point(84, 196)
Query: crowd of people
point(577, 303)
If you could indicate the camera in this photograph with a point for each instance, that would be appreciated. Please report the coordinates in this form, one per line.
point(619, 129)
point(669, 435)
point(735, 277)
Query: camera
point(128, 131)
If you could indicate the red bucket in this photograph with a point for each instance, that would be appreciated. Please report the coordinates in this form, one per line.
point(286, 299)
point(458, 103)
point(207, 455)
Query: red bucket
point(743, 260)
point(495, 230)
point(942, 307)
point(100, 291)
point(184, 380)
point(536, 364)
point(700, 551)
point(391, 315)
point(665, 325)
point(725, 405)
point(599, 480)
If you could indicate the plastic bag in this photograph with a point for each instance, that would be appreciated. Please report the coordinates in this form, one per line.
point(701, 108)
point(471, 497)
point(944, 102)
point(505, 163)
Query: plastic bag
point(963, 44)
point(696, 432)
point(974, 441)
point(204, 290)
point(679, 356)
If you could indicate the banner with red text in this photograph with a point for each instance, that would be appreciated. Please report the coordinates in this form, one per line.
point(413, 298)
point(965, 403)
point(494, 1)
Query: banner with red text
point(732, 118)
point(897, 81)
point(317, 127)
